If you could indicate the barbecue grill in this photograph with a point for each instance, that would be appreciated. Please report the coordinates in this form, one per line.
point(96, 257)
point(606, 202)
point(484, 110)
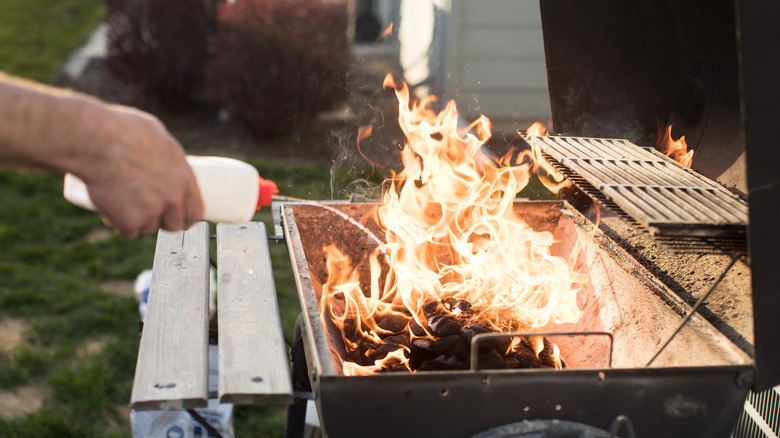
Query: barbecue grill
point(673, 241)
point(678, 258)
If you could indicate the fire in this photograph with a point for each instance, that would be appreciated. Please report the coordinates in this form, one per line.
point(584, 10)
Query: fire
point(537, 129)
point(674, 149)
point(387, 32)
point(554, 181)
point(454, 247)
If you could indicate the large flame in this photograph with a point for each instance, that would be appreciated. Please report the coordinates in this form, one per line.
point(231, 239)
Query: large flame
point(674, 149)
point(450, 233)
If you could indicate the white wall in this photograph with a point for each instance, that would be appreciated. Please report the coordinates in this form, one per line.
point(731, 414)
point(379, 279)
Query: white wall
point(495, 59)
point(488, 55)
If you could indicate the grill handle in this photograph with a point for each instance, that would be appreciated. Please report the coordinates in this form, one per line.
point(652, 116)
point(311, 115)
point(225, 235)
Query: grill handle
point(484, 336)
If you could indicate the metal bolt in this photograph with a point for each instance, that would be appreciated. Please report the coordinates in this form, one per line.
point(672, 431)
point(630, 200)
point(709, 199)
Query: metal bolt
point(256, 379)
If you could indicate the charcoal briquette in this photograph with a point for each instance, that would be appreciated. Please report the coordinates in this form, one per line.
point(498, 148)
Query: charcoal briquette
point(490, 360)
point(416, 329)
point(450, 363)
point(452, 345)
point(527, 360)
point(424, 346)
point(401, 339)
point(427, 365)
point(459, 306)
point(431, 307)
point(382, 351)
point(394, 323)
point(443, 325)
point(474, 328)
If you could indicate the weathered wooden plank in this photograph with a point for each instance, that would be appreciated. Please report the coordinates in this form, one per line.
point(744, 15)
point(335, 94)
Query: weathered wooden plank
point(253, 364)
point(172, 368)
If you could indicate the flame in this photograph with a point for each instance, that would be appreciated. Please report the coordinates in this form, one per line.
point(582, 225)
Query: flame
point(387, 32)
point(537, 129)
point(451, 232)
point(363, 133)
point(557, 357)
point(555, 180)
point(674, 149)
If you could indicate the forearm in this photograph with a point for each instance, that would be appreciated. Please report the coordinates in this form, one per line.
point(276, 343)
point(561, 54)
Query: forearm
point(45, 127)
point(135, 171)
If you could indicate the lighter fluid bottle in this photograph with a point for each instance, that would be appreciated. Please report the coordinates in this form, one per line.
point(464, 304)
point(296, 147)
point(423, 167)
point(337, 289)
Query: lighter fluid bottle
point(231, 189)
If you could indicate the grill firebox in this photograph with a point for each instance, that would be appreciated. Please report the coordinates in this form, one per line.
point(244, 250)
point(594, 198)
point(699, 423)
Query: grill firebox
point(691, 384)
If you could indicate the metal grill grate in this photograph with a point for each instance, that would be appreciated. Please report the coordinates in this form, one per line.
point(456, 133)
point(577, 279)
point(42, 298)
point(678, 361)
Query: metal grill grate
point(664, 197)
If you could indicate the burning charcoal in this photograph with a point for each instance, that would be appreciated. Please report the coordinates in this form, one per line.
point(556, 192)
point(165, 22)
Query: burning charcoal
point(443, 325)
point(415, 360)
point(490, 360)
point(351, 330)
point(365, 346)
point(431, 307)
point(396, 367)
point(424, 347)
point(448, 303)
point(416, 329)
point(546, 355)
point(398, 340)
point(450, 363)
point(474, 328)
point(511, 363)
point(457, 306)
point(526, 359)
point(427, 365)
point(452, 345)
point(394, 323)
point(356, 356)
point(382, 351)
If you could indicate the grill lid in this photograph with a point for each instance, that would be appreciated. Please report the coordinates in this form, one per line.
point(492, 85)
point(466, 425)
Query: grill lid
point(666, 198)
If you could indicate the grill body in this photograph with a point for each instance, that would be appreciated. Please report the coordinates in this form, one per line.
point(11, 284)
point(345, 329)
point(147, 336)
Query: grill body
point(697, 387)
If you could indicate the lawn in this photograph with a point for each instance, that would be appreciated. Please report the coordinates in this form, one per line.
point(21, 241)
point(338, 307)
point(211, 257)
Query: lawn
point(36, 36)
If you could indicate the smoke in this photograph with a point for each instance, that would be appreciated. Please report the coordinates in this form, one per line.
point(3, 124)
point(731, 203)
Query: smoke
point(365, 149)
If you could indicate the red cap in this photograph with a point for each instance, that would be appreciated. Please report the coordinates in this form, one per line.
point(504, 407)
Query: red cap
point(267, 190)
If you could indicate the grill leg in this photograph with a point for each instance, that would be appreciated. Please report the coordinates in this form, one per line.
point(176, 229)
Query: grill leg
point(296, 412)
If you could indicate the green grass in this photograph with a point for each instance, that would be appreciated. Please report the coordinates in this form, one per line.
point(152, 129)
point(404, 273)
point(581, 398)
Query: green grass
point(36, 36)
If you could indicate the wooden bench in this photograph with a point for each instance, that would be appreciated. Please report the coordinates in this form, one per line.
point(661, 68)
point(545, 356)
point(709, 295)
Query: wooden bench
point(172, 368)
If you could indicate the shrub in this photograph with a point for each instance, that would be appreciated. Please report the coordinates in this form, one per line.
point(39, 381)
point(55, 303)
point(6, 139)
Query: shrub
point(161, 45)
point(278, 62)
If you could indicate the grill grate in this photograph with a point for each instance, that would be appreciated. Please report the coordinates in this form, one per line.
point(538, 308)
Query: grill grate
point(667, 199)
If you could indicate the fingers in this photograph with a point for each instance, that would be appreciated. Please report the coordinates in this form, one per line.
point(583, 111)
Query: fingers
point(141, 181)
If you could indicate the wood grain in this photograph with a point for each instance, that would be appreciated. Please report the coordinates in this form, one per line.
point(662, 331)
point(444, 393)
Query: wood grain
point(253, 363)
point(172, 368)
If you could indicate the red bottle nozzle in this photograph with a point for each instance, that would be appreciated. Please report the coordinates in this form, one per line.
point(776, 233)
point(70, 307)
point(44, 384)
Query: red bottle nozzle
point(267, 190)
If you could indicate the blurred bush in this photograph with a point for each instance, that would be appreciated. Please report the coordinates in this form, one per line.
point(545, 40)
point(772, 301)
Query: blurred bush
point(279, 62)
point(161, 45)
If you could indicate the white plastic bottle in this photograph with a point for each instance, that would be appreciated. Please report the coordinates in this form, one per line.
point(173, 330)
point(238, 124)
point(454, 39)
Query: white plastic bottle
point(231, 189)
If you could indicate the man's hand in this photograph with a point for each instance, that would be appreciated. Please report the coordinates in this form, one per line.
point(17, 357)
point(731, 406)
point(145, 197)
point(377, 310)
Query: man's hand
point(144, 182)
point(135, 171)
